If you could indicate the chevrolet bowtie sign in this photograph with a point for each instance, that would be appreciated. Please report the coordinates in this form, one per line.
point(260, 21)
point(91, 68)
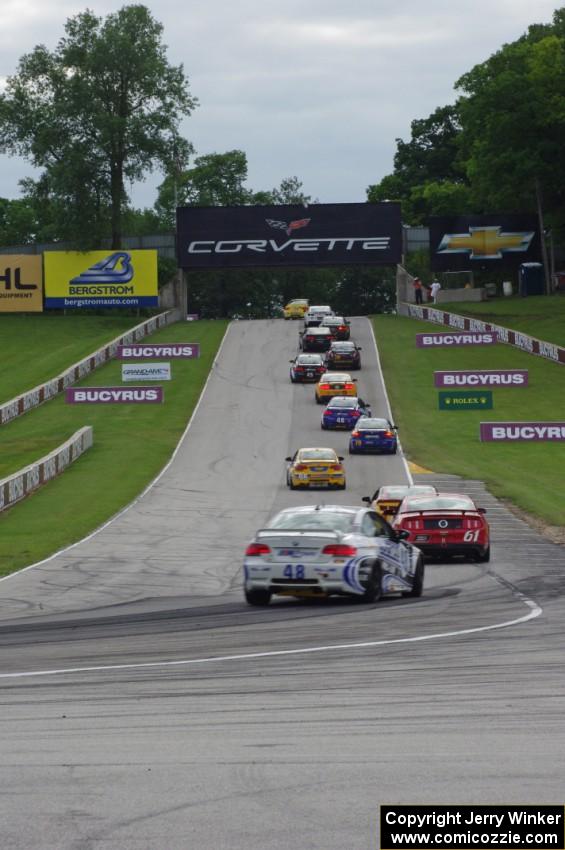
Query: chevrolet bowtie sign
point(485, 243)
point(481, 241)
point(289, 235)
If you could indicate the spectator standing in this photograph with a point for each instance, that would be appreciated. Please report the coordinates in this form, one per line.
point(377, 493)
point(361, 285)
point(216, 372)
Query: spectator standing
point(418, 288)
point(434, 289)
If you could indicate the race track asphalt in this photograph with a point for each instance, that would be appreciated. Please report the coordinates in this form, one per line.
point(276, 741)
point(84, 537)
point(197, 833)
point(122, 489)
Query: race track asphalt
point(145, 706)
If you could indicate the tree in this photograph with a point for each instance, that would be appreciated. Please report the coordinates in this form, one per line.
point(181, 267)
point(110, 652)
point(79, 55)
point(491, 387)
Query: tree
point(430, 158)
point(99, 111)
point(216, 179)
point(513, 116)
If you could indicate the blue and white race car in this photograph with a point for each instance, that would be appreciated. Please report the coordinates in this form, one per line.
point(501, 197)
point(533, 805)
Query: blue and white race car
point(344, 412)
point(373, 435)
point(325, 550)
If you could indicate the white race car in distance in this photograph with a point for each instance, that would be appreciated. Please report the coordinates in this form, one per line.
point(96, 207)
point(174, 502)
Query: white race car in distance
point(325, 550)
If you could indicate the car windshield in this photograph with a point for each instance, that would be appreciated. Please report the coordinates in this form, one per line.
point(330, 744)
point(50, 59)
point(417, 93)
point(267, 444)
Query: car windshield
point(325, 520)
point(340, 402)
point(438, 503)
point(373, 425)
point(317, 454)
point(405, 490)
point(310, 359)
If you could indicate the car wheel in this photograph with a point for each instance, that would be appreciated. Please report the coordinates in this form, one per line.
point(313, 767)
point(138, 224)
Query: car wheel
point(373, 588)
point(351, 451)
point(258, 597)
point(393, 451)
point(418, 582)
point(484, 558)
point(341, 486)
point(291, 484)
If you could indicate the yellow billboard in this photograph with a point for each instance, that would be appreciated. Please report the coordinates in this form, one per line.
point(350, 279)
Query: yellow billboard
point(21, 289)
point(100, 279)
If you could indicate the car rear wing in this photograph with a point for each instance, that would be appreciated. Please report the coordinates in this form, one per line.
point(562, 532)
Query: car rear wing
point(306, 532)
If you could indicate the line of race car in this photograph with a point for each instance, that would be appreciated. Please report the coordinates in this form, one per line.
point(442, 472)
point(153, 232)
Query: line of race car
point(358, 552)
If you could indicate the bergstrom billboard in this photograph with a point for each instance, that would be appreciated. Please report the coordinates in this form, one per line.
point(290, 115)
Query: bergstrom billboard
point(289, 235)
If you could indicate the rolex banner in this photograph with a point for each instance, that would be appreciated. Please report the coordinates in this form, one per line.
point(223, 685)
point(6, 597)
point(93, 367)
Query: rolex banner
point(76, 279)
point(21, 283)
point(466, 243)
point(289, 235)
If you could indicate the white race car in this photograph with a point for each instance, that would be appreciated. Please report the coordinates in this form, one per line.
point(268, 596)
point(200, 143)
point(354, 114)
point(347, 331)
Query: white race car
point(324, 550)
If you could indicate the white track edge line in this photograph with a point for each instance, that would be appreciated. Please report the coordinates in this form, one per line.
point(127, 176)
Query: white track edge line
point(535, 611)
point(142, 494)
point(390, 416)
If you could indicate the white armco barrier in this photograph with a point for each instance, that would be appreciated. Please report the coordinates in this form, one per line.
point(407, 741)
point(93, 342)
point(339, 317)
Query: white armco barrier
point(21, 484)
point(32, 398)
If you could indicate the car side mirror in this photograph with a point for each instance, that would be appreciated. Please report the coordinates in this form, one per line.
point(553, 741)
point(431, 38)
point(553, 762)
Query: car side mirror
point(288, 458)
point(354, 380)
point(359, 348)
point(367, 499)
point(395, 427)
point(291, 361)
point(339, 457)
point(482, 510)
point(402, 534)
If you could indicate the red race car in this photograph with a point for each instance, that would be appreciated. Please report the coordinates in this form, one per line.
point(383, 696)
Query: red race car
point(445, 524)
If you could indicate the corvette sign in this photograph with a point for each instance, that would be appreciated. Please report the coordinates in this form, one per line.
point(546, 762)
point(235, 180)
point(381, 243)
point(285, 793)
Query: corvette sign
point(289, 235)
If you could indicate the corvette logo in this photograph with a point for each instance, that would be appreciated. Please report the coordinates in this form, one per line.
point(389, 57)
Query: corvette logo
point(116, 268)
point(485, 243)
point(288, 227)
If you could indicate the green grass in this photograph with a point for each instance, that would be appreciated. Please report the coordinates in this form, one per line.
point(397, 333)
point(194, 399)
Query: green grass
point(37, 347)
point(540, 316)
point(530, 475)
point(131, 445)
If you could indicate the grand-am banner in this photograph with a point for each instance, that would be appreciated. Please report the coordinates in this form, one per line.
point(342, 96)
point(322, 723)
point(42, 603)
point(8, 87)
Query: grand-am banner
point(21, 283)
point(101, 279)
point(289, 235)
point(483, 241)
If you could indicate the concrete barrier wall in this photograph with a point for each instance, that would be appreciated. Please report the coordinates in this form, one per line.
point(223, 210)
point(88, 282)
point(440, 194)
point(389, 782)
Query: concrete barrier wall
point(451, 320)
point(33, 398)
point(21, 484)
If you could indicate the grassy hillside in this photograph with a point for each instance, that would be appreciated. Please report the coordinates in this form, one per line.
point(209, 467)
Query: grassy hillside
point(131, 445)
point(37, 347)
point(531, 475)
point(540, 316)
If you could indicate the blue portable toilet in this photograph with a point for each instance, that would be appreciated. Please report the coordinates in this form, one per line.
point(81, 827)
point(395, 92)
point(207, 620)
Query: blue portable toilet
point(531, 279)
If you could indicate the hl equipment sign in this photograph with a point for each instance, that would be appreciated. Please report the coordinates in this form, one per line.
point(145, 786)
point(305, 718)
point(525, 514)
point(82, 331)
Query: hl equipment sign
point(291, 235)
point(101, 279)
point(21, 289)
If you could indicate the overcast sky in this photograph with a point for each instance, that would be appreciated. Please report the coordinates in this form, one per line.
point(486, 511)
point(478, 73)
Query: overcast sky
point(319, 89)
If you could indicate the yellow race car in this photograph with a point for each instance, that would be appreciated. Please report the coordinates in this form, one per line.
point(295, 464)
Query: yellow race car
point(296, 308)
point(386, 500)
point(335, 383)
point(315, 467)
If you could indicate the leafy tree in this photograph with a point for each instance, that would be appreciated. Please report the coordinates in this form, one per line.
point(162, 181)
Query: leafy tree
point(216, 179)
point(430, 158)
point(99, 111)
point(290, 191)
point(513, 117)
